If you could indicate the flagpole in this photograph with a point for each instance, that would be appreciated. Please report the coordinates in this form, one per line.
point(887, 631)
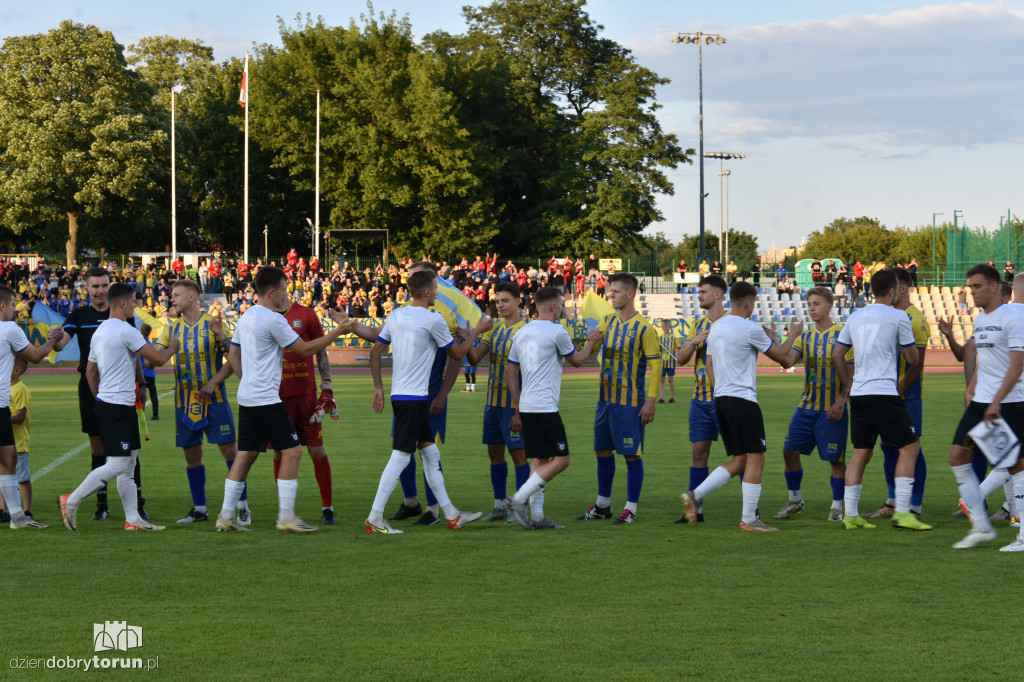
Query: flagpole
point(174, 194)
point(316, 212)
point(245, 210)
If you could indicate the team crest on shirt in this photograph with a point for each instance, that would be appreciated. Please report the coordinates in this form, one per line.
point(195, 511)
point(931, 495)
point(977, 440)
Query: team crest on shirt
point(562, 447)
point(295, 436)
point(125, 446)
point(297, 324)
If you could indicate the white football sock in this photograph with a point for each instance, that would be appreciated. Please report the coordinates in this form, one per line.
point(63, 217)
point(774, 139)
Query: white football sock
point(388, 481)
point(12, 496)
point(631, 506)
point(232, 491)
point(904, 486)
point(751, 496)
point(715, 480)
point(127, 490)
point(537, 505)
point(852, 499)
point(970, 493)
point(603, 501)
point(431, 457)
point(532, 485)
point(1018, 493)
point(1011, 499)
point(287, 489)
point(994, 481)
point(795, 496)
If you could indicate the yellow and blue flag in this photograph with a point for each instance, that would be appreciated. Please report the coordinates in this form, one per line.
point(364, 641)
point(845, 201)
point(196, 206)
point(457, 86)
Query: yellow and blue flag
point(44, 318)
point(464, 310)
point(594, 309)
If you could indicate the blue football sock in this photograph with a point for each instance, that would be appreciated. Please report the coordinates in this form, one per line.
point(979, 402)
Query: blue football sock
point(794, 479)
point(634, 479)
point(522, 474)
point(408, 479)
point(197, 485)
point(890, 454)
point(980, 466)
point(245, 486)
point(920, 474)
point(697, 476)
point(605, 475)
point(838, 488)
point(499, 476)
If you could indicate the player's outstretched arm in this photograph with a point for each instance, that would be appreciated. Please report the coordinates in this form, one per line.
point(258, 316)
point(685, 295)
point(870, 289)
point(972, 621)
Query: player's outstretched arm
point(62, 340)
point(458, 351)
point(306, 349)
point(158, 355)
point(35, 354)
point(581, 356)
point(780, 353)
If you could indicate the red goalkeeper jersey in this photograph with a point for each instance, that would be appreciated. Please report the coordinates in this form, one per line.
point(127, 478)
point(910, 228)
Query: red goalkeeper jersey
point(298, 374)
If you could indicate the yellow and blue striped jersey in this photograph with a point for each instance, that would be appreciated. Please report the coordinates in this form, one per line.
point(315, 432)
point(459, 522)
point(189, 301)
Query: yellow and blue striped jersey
point(200, 356)
point(702, 390)
point(821, 387)
point(669, 344)
point(629, 347)
point(922, 332)
point(499, 340)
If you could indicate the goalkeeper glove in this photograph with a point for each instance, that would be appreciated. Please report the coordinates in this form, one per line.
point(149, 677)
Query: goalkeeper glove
point(324, 404)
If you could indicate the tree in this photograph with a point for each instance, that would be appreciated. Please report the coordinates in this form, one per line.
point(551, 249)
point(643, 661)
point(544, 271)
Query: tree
point(742, 249)
point(78, 136)
point(863, 238)
point(597, 155)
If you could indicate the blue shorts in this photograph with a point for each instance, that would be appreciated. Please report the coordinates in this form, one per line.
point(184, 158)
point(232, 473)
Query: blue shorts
point(618, 428)
point(812, 428)
point(496, 428)
point(703, 421)
point(668, 371)
point(219, 429)
point(437, 423)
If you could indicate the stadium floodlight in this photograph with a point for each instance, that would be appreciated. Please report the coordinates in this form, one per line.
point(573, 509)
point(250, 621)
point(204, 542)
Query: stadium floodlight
point(700, 39)
point(723, 249)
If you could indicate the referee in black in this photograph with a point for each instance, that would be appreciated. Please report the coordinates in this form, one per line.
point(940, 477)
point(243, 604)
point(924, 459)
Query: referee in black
point(82, 323)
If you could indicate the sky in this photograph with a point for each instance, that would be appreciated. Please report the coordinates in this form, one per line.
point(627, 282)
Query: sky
point(891, 109)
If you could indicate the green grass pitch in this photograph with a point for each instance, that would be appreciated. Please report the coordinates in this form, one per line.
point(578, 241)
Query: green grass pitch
point(648, 601)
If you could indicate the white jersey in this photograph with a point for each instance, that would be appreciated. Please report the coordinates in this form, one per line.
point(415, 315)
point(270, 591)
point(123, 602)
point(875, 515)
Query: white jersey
point(262, 335)
point(733, 345)
point(538, 349)
point(12, 340)
point(996, 335)
point(414, 334)
point(114, 348)
point(877, 333)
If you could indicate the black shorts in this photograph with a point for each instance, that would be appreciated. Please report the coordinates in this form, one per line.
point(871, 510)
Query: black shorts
point(544, 435)
point(87, 408)
point(412, 424)
point(6, 430)
point(119, 428)
point(1012, 414)
point(264, 424)
point(872, 416)
point(742, 425)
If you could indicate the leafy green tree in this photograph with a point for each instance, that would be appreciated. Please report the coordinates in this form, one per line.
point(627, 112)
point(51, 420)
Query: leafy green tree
point(862, 238)
point(79, 139)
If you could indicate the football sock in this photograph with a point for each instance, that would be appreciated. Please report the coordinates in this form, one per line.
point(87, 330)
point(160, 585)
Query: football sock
point(408, 480)
point(890, 454)
point(994, 481)
point(245, 485)
point(101, 495)
point(522, 474)
point(432, 499)
point(605, 475)
point(838, 484)
point(537, 505)
point(715, 480)
point(395, 468)
point(751, 496)
point(322, 471)
point(793, 481)
point(852, 500)
point(9, 489)
point(197, 484)
point(920, 475)
point(435, 481)
point(1018, 494)
point(634, 480)
point(697, 476)
point(287, 489)
point(98, 478)
point(631, 506)
point(128, 489)
point(980, 466)
point(904, 484)
point(603, 501)
point(232, 491)
point(1011, 500)
point(970, 493)
point(532, 485)
point(499, 478)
